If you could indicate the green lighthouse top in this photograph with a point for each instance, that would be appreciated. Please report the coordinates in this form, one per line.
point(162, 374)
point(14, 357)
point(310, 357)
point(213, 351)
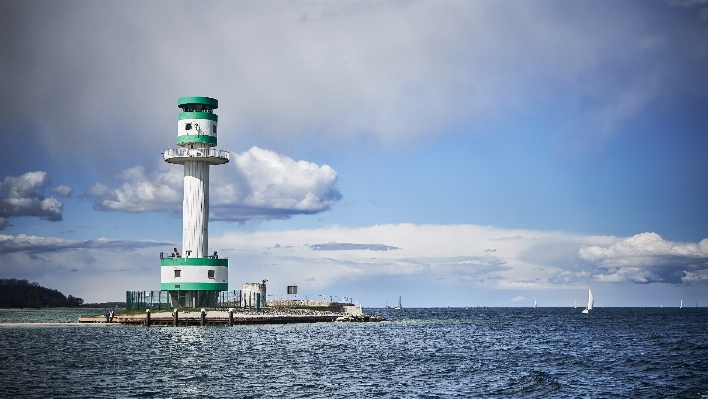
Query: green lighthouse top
point(198, 104)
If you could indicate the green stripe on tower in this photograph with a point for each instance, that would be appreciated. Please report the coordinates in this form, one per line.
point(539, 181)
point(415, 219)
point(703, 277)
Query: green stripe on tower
point(195, 262)
point(194, 286)
point(196, 139)
point(198, 100)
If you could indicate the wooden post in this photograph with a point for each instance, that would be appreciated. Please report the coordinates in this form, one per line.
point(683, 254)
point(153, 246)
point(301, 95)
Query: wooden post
point(203, 322)
point(147, 317)
point(175, 315)
point(231, 317)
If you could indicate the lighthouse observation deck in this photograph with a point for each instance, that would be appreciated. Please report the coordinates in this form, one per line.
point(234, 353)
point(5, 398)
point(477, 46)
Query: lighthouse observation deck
point(211, 156)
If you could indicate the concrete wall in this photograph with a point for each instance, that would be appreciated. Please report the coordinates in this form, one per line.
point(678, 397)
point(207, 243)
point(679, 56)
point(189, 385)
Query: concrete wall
point(249, 290)
point(331, 306)
point(352, 310)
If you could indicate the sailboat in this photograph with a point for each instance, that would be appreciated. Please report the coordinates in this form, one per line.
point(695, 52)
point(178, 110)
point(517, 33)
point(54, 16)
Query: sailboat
point(591, 301)
point(399, 307)
point(681, 307)
point(576, 304)
point(534, 304)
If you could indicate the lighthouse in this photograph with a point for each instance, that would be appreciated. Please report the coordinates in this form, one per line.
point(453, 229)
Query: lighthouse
point(191, 275)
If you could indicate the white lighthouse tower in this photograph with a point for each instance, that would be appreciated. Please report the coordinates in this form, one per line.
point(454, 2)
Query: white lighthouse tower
point(193, 277)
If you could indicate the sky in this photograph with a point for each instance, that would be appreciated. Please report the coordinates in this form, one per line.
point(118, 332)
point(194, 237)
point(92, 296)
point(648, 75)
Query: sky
point(479, 153)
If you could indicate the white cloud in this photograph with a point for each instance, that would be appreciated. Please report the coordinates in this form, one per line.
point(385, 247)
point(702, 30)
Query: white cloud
point(268, 185)
point(455, 254)
point(62, 191)
point(258, 184)
point(142, 192)
point(343, 246)
point(518, 298)
point(433, 264)
point(24, 198)
point(647, 258)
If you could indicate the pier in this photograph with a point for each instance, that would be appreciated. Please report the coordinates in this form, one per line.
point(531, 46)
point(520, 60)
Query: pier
point(234, 317)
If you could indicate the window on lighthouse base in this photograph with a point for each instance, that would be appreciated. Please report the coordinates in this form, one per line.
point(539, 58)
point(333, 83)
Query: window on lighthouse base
point(210, 274)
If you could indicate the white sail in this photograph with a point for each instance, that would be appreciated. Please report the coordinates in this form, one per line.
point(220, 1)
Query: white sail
point(682, 304)
point(534, 304)
point(591, 301)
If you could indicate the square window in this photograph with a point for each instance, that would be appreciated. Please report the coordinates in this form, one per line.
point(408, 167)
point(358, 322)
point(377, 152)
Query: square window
point(188, 126)
point(213, 129)
point(211, 274)
point(178, 273)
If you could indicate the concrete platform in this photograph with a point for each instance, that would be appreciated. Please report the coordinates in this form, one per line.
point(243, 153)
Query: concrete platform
point(221, 317)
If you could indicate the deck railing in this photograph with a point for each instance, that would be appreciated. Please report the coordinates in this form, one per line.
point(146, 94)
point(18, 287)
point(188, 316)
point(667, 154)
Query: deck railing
point(195, 152)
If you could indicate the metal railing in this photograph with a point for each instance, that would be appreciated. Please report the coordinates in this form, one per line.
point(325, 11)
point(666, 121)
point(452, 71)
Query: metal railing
point(159, 300)
point(147, 300)
point(195, 153)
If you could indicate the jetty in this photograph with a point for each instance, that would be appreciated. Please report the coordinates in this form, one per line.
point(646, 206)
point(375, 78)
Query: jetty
point(234, 316)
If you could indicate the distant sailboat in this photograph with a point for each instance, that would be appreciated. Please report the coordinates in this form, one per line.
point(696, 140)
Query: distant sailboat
point(399, 307)
point(681, 307)
point(534, 304)
point(591, 301)
point(576, 304)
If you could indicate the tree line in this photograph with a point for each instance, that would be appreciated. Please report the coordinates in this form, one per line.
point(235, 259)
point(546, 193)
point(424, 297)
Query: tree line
point(16, 293)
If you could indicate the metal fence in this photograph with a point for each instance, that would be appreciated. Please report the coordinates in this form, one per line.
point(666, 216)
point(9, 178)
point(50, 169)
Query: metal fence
point(147, 300)
point(166, 300)
point(163, 300)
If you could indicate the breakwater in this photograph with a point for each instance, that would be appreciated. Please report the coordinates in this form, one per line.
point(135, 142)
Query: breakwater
point(234, 317)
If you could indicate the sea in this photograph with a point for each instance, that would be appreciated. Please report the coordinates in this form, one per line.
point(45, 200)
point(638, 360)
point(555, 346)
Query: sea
point(418, 353)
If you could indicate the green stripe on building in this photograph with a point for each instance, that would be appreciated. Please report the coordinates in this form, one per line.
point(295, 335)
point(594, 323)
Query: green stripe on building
point(193, 138)
point(198, 100)
point(194, 286)
point(198, 115)
point(195, 262)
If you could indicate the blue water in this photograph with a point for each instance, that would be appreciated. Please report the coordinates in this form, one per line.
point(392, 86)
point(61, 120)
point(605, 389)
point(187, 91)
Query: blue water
point(422, 353)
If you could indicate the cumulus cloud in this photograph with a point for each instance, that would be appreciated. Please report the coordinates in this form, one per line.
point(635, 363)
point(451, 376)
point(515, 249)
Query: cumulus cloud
point(257, 184)
point(647, 258)
point(267, 185)
point(142, 191)
point(24, 198)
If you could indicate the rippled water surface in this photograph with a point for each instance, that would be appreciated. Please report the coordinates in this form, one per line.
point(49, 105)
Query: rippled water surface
point(424, 353)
